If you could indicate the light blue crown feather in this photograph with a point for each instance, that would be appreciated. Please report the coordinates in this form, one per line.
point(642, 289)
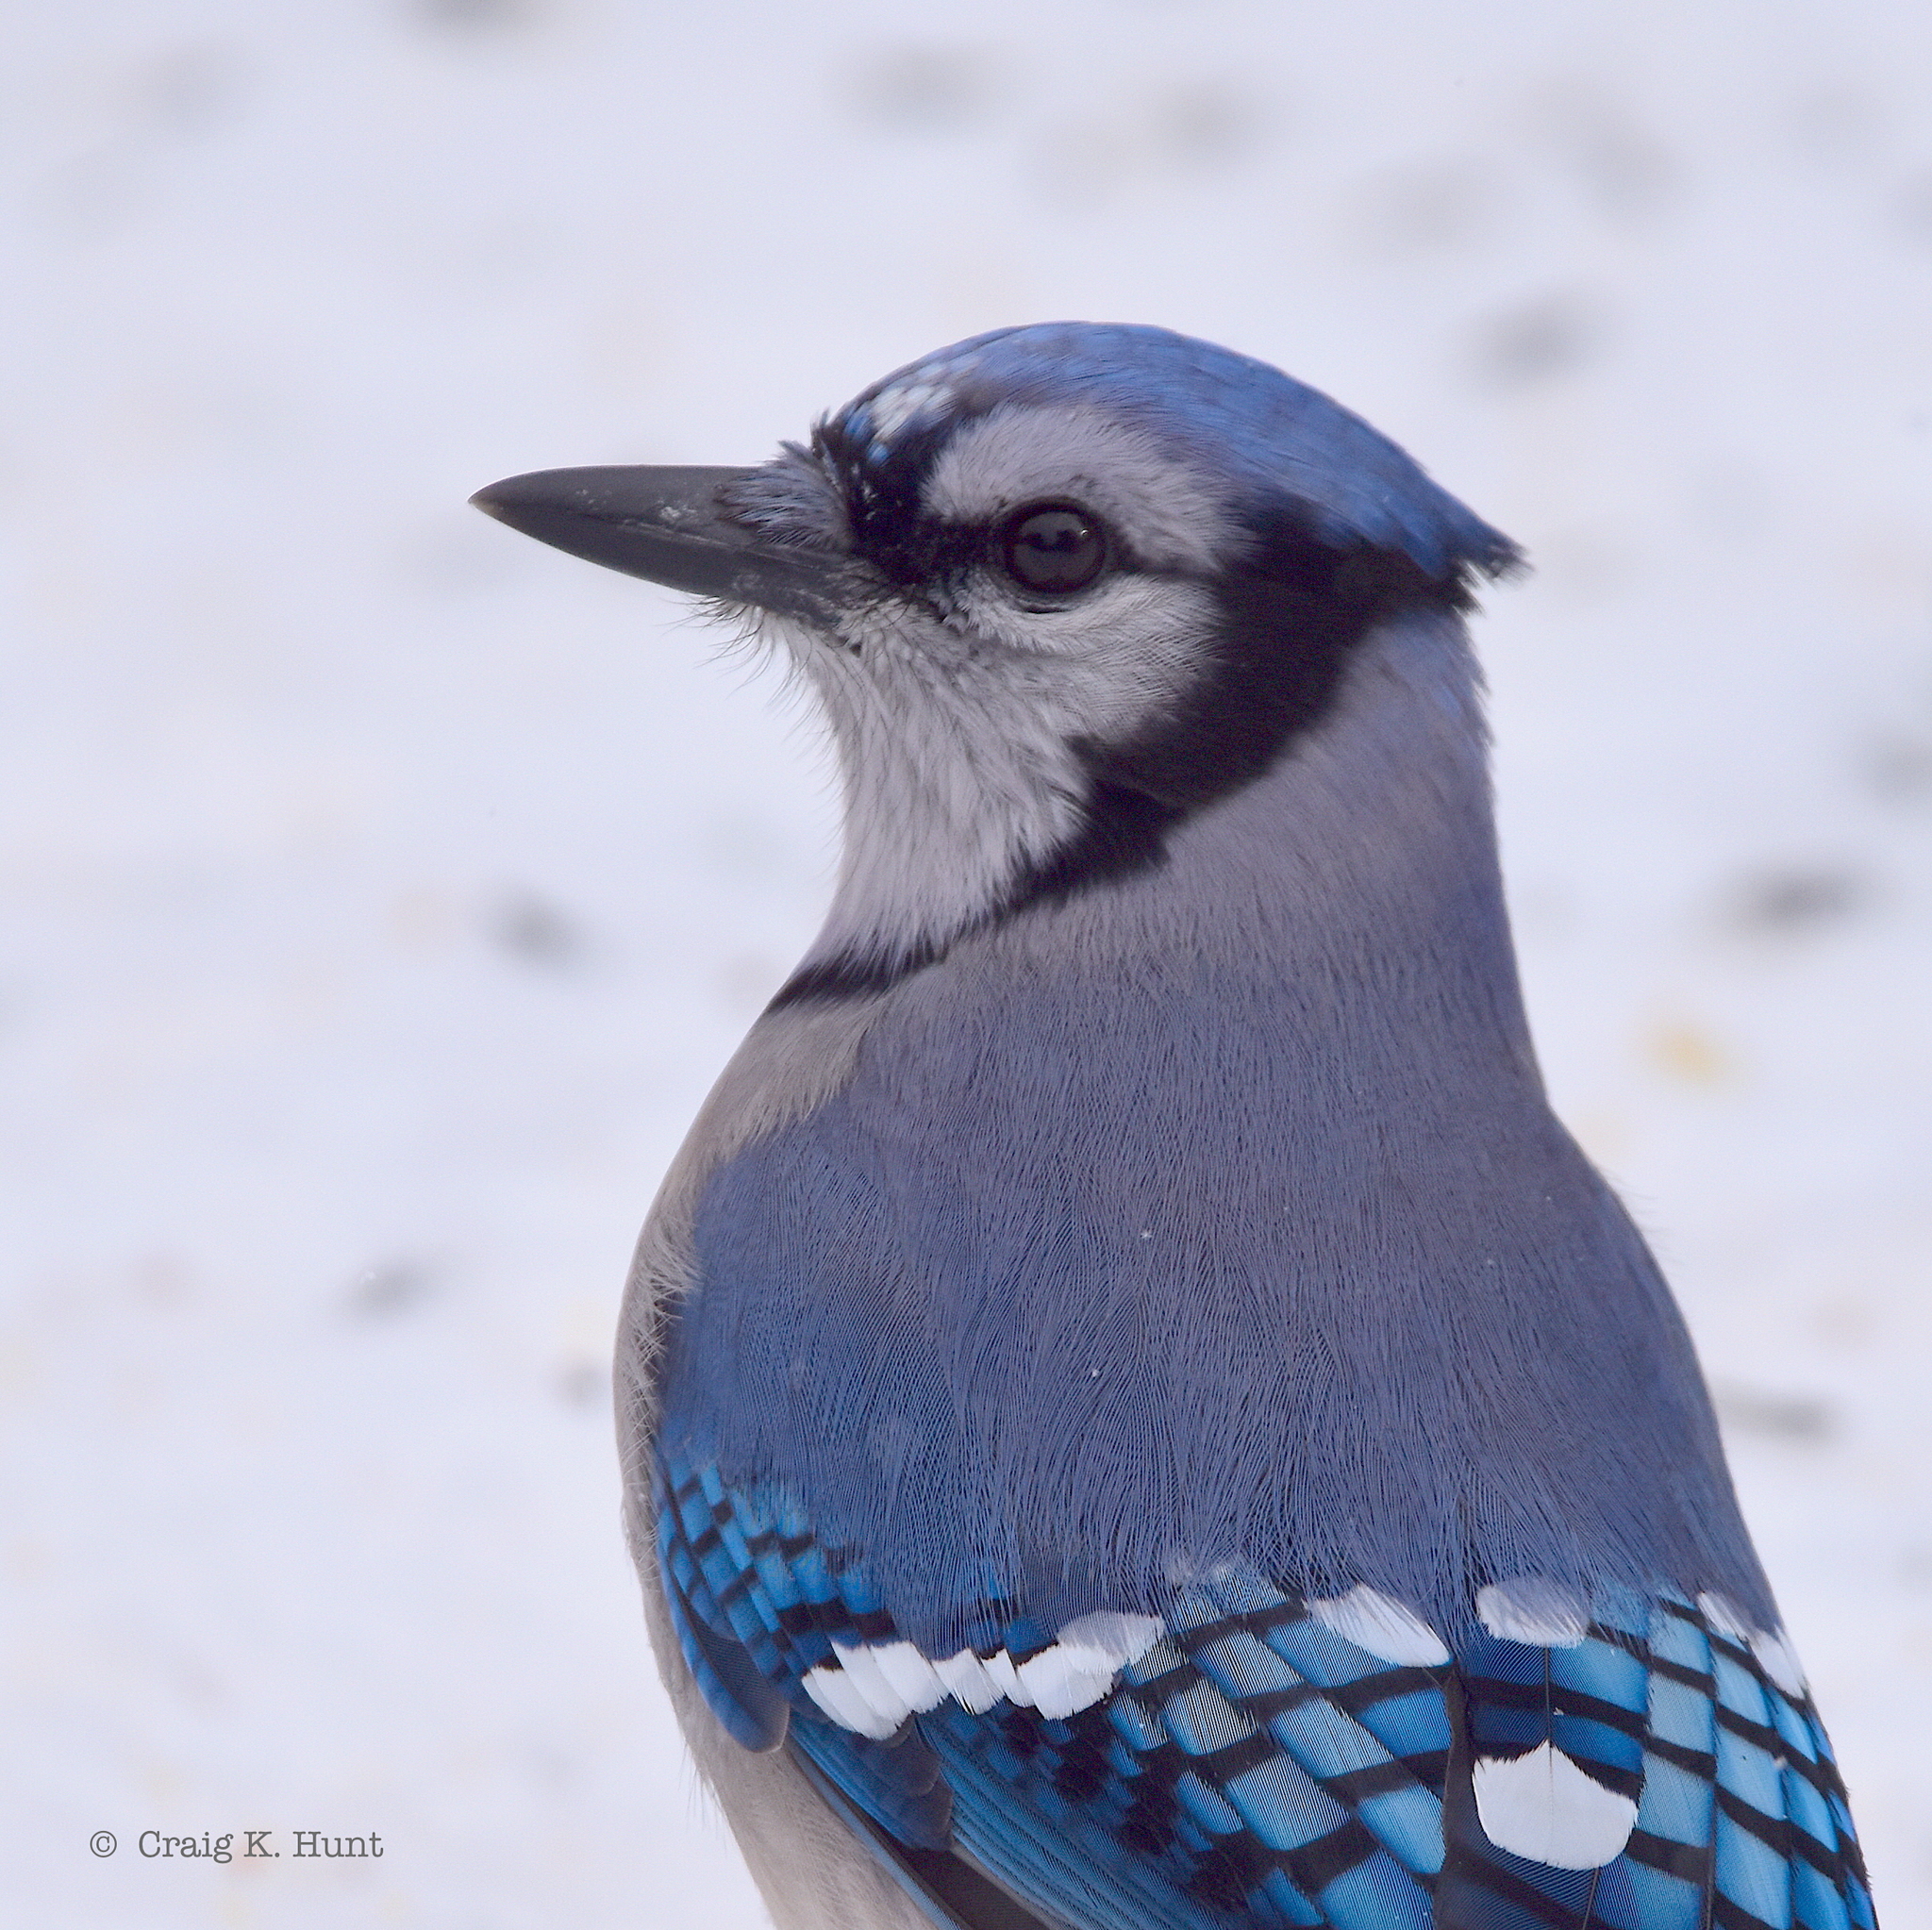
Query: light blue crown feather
point(1278, 437)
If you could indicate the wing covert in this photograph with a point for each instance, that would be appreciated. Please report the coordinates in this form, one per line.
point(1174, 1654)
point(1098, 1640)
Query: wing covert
point(1247, 1758)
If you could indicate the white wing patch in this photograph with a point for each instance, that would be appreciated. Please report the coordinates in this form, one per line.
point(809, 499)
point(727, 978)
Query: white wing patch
point(874, 1688)
point(1779, 1661)
point(1384, 1629)
point(965, 1678)
point(1080, 1667)
point(1531, 1609)
point(1724, 1618)
point(1542, 1806)
point(1771, 1646)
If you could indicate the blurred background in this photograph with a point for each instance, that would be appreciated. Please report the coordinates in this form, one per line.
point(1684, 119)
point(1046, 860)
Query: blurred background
point(380, 891)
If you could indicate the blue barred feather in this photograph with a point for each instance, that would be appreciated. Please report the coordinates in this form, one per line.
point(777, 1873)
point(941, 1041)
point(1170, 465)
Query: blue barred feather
point(1256, 1768)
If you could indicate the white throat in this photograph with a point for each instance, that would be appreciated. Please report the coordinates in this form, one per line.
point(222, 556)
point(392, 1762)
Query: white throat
point(956, 750)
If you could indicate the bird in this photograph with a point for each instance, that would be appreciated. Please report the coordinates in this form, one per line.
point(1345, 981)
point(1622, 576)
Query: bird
point(1133, 1413)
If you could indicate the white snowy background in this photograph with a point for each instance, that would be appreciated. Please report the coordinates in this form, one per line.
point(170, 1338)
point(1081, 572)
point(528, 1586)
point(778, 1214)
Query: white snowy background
point(379, 891)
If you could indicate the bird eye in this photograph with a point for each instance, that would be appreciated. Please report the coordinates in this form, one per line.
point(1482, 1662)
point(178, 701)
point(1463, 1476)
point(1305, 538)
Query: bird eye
point(1053, 546)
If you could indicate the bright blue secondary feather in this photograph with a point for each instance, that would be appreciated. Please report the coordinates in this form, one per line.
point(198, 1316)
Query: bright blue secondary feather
point(1256, 1768)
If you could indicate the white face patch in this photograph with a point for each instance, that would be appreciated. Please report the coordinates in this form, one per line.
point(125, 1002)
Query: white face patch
point(957, 721)
point(1384, 1629)
point(1167, 513)
point(1528, 1609)
point(874, 1689)
point(1543, 1806)
point(955, 741)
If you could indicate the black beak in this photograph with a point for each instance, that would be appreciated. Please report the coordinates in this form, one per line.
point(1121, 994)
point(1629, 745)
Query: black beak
point(668, 527)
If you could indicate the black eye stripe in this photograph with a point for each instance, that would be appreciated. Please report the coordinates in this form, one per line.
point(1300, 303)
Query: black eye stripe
point(1053, 547)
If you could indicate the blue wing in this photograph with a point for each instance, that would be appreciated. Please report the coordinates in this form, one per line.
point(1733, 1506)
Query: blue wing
point(1254, 1766)
point(1742, 1820)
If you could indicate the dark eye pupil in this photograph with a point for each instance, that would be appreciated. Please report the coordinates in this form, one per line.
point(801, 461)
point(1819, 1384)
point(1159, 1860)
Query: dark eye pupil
point(1054, 548)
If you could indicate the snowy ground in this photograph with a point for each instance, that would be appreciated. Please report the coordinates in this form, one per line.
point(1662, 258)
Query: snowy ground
point(381, 890)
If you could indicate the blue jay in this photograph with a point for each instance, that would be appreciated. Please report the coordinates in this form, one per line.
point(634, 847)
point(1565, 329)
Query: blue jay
point(1135, 1415)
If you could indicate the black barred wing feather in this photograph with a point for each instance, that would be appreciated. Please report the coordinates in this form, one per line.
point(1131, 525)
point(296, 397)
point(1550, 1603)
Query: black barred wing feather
point(1253, 1766)
point(1742, 1800)
point(1248, 1765)
point(1252, 1758)
point(1701, 1728)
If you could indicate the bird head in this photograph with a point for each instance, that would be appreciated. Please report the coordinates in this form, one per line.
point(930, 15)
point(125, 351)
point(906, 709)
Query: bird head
point(1058, 587)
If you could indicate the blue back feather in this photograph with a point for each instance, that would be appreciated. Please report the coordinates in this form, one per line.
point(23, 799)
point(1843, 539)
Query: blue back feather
point(1073, 1284)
